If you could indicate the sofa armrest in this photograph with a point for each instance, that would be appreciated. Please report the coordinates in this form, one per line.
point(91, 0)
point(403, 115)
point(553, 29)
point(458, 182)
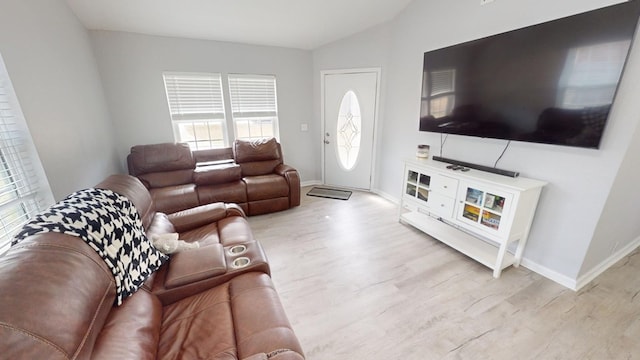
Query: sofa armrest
point(293, 179)
point(283, 169)
point(191, 266)
point(202, 215)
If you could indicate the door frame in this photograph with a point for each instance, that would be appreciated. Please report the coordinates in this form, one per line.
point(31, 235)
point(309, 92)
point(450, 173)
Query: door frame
point(374, 151)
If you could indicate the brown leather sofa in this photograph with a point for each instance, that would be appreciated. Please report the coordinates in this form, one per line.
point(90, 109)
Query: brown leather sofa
point(251, 174)
point(57, 295)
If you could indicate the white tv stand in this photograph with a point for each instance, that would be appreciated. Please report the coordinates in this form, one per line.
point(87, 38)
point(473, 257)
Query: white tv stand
point(477, 213)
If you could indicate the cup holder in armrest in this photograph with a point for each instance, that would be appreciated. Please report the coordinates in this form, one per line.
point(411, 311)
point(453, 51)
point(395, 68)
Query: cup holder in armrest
point(237, 250)
point(240, 262)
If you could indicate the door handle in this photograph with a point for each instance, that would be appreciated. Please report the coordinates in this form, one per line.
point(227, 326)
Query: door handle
point(326, 141)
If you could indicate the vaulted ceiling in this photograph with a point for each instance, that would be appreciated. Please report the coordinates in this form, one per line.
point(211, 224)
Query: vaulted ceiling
point(303, 24)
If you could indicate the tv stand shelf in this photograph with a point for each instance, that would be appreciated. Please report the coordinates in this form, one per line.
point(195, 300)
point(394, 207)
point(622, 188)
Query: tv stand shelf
point(476, 213)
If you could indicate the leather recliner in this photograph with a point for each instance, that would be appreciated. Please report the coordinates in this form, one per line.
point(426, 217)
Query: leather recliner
point(251, 174)
point(57, 295)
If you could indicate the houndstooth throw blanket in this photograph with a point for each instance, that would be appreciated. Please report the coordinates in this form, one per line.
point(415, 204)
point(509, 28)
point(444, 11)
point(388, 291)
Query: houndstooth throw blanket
point(111, 225)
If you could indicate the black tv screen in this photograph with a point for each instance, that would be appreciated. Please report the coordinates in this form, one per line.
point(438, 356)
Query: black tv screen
point(550, 83)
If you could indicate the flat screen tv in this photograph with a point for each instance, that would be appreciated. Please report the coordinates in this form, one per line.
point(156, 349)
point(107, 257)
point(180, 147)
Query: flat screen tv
point(551, 83)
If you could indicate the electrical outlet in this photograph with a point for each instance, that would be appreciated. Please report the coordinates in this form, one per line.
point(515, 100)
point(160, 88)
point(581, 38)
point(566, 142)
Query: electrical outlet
point(485, 2)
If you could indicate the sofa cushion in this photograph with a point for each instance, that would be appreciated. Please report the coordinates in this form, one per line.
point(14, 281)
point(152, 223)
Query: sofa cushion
point(266, 187)
point(232, 192)
point(133, 189)
point(144, 159)
point(199, 327)
point(217, 174)
point(257, 157)
point(168, 178)
point(234, 320)
point(256, 150)
point(175, 198)
point(132, 331)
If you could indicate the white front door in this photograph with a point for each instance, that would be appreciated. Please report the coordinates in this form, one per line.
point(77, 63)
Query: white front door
point(350, 102)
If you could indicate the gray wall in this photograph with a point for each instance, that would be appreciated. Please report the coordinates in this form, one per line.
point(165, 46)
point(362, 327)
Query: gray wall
point(131, 67)
point(51, 64)
point(579, 179)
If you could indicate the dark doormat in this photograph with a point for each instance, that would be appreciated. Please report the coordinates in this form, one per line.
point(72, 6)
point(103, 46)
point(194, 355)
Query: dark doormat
point(329, 193)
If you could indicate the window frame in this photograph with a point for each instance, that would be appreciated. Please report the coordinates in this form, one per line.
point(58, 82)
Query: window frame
point(255, 109)
point(185, 111)
point(24, 189)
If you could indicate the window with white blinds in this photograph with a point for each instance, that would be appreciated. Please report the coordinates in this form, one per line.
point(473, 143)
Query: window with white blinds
point(23, 192)
point(196, 105)
point(254, 106)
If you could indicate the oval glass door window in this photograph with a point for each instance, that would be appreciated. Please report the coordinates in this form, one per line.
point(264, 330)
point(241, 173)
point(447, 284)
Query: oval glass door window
point(349, 131)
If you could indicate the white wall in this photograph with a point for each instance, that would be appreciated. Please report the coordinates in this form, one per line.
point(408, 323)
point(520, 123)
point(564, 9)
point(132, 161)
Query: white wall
point(131, 67)
point(50, 61)
point(579, 179)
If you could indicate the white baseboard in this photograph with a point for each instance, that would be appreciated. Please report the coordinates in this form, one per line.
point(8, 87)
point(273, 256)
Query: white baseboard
point(550, 274)
point(386, 196)
point(607, 263)
point(310, 183)
point(577, 284)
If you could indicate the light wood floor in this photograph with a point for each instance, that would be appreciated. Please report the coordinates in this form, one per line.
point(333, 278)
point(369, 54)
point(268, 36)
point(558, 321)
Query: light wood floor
point(356, 284)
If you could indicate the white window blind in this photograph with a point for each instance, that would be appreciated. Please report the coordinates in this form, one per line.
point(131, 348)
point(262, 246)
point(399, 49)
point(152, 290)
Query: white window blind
point(23, 188)
point(442, 94)
point(196, 105)
point(254, 106)
point(443, 81)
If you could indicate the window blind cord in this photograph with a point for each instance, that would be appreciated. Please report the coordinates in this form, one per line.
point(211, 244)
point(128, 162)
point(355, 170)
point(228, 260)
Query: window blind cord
point(501, 155)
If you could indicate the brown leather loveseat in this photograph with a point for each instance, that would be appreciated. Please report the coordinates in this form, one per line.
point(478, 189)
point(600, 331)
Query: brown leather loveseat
point(57, 294)
point(251, 174)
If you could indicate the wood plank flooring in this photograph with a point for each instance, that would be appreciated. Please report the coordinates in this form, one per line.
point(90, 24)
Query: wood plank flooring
point(356, 284)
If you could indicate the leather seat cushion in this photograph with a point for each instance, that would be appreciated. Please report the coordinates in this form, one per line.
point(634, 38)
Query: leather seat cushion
point(175, 198)
point(232, 192)
point(264, 187)
point(234, 320)
point(199, 327)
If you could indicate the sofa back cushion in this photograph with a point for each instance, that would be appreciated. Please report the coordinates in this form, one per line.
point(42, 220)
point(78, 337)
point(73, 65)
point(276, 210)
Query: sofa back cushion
point(56, 293)
point(213, 155)
point(257, 157)
point(133, 189)
point(168, 178)
point(153, 158)
point(132, 330)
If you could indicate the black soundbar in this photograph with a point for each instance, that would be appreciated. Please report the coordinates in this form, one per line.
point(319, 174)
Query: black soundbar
point(508, 173)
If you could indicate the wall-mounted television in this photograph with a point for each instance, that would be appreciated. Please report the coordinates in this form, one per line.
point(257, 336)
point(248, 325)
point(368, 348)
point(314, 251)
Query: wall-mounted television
point(551, 83)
